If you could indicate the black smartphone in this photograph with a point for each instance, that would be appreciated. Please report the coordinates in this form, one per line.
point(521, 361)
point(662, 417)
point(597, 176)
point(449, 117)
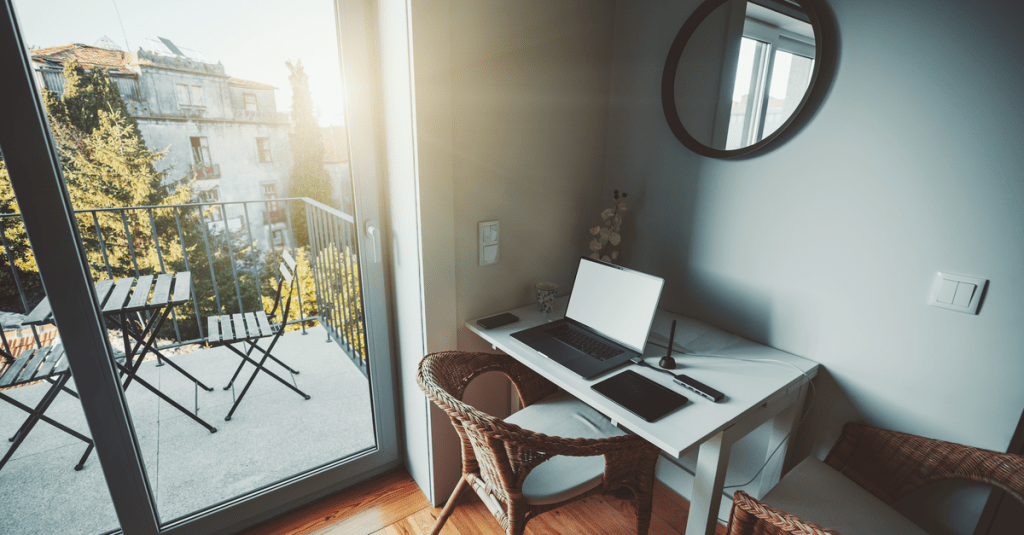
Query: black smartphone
point(497, 321)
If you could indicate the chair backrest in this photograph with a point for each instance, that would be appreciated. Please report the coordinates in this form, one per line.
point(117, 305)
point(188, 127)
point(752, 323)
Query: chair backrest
point(890, 464)
point(287, 270)
point(752, 517)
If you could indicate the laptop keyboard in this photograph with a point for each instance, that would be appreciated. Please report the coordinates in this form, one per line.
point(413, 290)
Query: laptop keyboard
point(584, 343)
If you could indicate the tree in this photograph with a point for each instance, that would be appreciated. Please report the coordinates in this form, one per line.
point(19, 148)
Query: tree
point(308, 177)
point(105, 164)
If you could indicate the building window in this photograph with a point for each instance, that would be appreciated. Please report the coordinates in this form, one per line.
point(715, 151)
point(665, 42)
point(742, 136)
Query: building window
point(197, 96)
point(183, 97)
point(201, 152)
point(263, 149)
point(190, 96)
point(277, 237)
point(250, 102)
point(210, 195)
point(270, 192)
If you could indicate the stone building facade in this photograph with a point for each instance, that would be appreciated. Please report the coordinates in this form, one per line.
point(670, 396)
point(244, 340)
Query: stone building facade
point(225, 132)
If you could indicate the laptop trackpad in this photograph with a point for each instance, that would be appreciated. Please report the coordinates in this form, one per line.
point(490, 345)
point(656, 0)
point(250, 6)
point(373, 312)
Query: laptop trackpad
point(552, 349)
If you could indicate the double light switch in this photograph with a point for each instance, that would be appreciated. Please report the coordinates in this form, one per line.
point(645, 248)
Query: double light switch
point(488, 233)
point(957, 292)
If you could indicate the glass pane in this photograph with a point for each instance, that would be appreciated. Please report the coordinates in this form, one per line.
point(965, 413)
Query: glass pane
point(40, 488)
point(790, 77)
point(206, 90)
point(745, 102)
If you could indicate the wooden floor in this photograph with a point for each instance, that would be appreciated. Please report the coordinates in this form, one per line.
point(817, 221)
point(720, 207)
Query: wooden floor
point(393, 505)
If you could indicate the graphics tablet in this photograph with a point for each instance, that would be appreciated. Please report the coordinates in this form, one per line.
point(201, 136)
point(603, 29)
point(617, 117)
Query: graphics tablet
point(640, 395)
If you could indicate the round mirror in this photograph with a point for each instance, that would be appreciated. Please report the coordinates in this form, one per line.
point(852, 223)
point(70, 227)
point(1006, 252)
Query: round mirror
point(740, 73)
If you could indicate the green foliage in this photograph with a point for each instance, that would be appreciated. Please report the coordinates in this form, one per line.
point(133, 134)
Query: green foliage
point(105, 164)
point(308, 177)
point(85, 95)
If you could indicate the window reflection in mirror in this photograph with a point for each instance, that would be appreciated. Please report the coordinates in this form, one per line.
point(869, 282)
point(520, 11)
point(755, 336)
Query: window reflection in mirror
point(776, 60)
point(740, 72)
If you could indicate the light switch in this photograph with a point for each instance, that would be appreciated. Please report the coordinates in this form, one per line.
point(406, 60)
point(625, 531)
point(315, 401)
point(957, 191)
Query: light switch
point(488, 242)
point(964, 293)
point(490, 254)
point(946, 291)
point(957, 292)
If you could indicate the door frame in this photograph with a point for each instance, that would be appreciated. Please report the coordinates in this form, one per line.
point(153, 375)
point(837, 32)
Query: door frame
point(49, 219)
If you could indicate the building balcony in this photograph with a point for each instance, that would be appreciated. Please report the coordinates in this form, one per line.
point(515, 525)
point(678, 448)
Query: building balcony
point(274, 433)
point(205, 172)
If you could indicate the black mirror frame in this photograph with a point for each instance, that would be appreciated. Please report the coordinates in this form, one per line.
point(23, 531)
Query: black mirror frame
point(825, 45)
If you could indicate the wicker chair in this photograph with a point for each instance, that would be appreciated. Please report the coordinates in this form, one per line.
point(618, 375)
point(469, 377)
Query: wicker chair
point(498, 456)
point(888, 465)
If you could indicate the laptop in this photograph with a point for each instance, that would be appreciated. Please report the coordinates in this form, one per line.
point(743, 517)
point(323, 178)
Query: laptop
point(610, 312)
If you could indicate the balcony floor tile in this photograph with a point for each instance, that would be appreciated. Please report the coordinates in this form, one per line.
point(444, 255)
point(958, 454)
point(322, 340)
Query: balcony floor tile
point(274, 434)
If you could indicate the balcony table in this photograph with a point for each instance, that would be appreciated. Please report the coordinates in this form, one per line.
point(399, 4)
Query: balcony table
point(118, 301)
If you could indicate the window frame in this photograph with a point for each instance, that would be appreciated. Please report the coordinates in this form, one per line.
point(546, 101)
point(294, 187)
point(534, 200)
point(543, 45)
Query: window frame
point(251, 97)
point(263, 152)
point(209, 195)
point(201, 157)
point(197, 90)
point(184, 95)
point(774, 40)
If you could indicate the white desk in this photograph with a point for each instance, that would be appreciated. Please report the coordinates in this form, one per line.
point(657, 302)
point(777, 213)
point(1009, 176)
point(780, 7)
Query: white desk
point(755, 393)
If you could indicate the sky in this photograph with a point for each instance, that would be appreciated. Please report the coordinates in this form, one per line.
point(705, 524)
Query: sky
point(252, 39)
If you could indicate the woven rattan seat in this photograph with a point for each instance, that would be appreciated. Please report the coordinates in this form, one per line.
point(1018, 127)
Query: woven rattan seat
point(889, 465)
point(498, 456)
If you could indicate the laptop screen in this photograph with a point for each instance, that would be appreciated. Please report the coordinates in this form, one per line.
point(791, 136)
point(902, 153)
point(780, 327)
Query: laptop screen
point(614, 301)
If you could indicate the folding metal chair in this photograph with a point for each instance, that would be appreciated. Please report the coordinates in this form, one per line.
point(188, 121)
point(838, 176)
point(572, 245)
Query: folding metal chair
point(45, 363)
point(251, 327)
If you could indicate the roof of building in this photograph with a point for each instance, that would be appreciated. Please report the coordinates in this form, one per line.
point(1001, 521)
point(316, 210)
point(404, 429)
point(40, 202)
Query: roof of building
point(249, 83)
point(87, 56)
point(112, 60)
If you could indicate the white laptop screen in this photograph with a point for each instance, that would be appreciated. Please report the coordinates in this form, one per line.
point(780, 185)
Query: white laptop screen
point(614, 301)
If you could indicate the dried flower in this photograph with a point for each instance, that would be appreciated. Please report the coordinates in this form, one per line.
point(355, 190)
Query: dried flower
point(608, 231)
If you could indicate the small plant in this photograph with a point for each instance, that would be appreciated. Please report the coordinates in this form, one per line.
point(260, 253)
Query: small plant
point(608, 232)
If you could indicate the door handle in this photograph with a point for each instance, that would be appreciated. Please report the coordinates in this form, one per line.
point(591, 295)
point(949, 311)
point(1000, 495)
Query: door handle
point(373, 233)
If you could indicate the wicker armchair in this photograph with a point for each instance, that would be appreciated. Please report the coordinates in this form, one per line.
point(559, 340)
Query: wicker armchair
point(889, 465)
point(497, 456)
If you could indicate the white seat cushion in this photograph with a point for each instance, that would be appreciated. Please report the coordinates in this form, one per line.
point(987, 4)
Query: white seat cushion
point(561, 477)
point(817, 493)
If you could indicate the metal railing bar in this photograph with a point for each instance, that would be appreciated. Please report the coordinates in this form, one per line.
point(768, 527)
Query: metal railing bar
point(191, 280)
point(231, 255)
point(332, 211)
point(314, 262)
point(103, 247)
point(14, 270)
point(355, 319)
point(332, 269)
point(253, 256)
point(209, 259)
point(295, 249)
point(131, 248)
point(273, 247)
point(160, 259)
point(343, 297)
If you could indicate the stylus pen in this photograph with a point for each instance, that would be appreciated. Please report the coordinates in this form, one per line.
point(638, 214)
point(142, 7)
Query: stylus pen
point(671, 338)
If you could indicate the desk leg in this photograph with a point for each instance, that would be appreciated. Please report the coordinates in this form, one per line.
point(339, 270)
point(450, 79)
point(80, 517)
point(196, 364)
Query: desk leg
point(783, 424)
point(712, 461)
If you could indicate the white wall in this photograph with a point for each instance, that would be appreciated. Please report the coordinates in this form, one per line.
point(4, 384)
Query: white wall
point(826, 247)
point(510, 114)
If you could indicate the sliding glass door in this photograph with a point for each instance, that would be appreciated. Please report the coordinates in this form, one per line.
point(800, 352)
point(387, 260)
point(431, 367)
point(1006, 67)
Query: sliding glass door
point(216, 165)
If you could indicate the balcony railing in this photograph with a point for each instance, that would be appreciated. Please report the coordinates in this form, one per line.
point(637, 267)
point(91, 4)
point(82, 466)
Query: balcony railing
point(202, 172)
point(232, 271)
